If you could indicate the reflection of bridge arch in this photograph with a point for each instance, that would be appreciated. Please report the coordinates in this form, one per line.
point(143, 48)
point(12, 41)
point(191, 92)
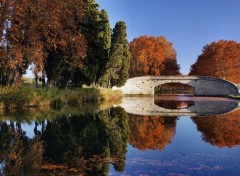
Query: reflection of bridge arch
point(150, 106)
point(205, 86)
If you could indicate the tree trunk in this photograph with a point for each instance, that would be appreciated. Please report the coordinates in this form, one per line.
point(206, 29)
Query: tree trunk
point(43, 79)
point(36, 80)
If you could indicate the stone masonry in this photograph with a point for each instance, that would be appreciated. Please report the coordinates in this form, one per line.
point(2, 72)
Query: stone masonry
point(204, 86)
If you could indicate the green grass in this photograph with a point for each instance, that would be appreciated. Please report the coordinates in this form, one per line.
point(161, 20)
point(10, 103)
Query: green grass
point(28, 96)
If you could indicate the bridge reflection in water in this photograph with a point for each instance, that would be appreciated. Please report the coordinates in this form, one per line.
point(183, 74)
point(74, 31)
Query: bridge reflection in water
point(178, 105)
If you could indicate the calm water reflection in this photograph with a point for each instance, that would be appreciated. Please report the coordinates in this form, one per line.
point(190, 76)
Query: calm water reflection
point(113, 142)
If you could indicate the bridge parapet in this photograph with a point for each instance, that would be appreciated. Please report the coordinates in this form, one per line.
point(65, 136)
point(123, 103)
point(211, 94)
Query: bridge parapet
point(204, 86)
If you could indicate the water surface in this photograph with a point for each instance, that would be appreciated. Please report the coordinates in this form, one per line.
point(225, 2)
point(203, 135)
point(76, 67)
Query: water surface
point(85, 141)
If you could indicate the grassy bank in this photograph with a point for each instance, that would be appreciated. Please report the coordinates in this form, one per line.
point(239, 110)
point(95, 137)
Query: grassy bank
point(27, 96)
point(234, 97)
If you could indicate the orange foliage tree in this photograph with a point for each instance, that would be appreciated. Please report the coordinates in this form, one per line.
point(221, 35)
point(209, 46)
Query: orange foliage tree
point(219, 59)
point(152, 56)
point(32, 29)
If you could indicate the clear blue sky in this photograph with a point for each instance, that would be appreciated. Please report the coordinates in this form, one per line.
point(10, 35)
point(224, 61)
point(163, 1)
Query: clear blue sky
point(188, 24)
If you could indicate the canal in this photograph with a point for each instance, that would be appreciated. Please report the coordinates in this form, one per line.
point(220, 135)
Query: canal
point(114, 141)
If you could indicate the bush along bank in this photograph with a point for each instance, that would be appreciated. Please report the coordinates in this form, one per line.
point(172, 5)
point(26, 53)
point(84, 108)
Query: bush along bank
point(24, 97)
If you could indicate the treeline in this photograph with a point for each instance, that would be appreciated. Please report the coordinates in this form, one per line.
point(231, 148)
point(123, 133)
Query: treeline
point(68, 42)
point(71, 43)
point(156, 56)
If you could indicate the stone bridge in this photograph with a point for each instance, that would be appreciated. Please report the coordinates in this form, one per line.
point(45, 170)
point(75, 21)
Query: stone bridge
point(204, 86)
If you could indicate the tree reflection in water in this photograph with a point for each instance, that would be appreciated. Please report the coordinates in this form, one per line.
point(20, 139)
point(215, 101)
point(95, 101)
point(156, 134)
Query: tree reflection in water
point(220, 130)
point(84, 144)
point(151, 132)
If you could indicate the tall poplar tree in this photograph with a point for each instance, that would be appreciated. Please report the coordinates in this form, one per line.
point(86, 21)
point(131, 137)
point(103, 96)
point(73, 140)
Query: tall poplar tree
point(119, 61)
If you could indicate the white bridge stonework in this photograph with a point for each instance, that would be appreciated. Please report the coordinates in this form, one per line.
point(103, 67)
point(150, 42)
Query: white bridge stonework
point(204, 86)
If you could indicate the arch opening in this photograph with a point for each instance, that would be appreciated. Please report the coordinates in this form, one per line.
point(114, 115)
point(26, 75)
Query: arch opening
point(173, 104)
point(174, 89)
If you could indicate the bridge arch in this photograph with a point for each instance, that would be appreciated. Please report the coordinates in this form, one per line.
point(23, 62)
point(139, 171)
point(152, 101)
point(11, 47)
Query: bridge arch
point(174, 88)
point(204, 86)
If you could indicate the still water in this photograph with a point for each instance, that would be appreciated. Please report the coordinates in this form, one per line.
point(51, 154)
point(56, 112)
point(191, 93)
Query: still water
point(166, 136)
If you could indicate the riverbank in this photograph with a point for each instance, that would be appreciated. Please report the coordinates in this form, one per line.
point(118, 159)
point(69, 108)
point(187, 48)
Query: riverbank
point(27, 96)
point(234, 97)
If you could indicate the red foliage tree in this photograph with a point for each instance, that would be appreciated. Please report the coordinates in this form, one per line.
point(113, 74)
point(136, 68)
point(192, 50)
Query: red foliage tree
point(219, 59)
point(30, 29)
point(152, 56)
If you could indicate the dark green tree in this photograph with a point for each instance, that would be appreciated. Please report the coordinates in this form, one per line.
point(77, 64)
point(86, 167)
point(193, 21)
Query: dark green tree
point(90, 28)
point(97, 31)
point(119, 62)
point(104, 39)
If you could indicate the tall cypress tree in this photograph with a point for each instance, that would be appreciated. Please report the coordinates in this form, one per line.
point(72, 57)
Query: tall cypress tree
point(90, 29)
point(97, 31)
point(104, 38)
point(119, 62)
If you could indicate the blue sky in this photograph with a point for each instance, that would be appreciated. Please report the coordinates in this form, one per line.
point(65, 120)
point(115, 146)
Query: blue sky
point(188, 24)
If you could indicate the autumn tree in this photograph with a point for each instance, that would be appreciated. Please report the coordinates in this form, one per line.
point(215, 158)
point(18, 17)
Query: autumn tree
point(219, 59)
point(4, 14)
point(119, 60)
point(152, 56)
point(34, 30)
point(68, 42)
point(66, 53)
point(12, 49)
